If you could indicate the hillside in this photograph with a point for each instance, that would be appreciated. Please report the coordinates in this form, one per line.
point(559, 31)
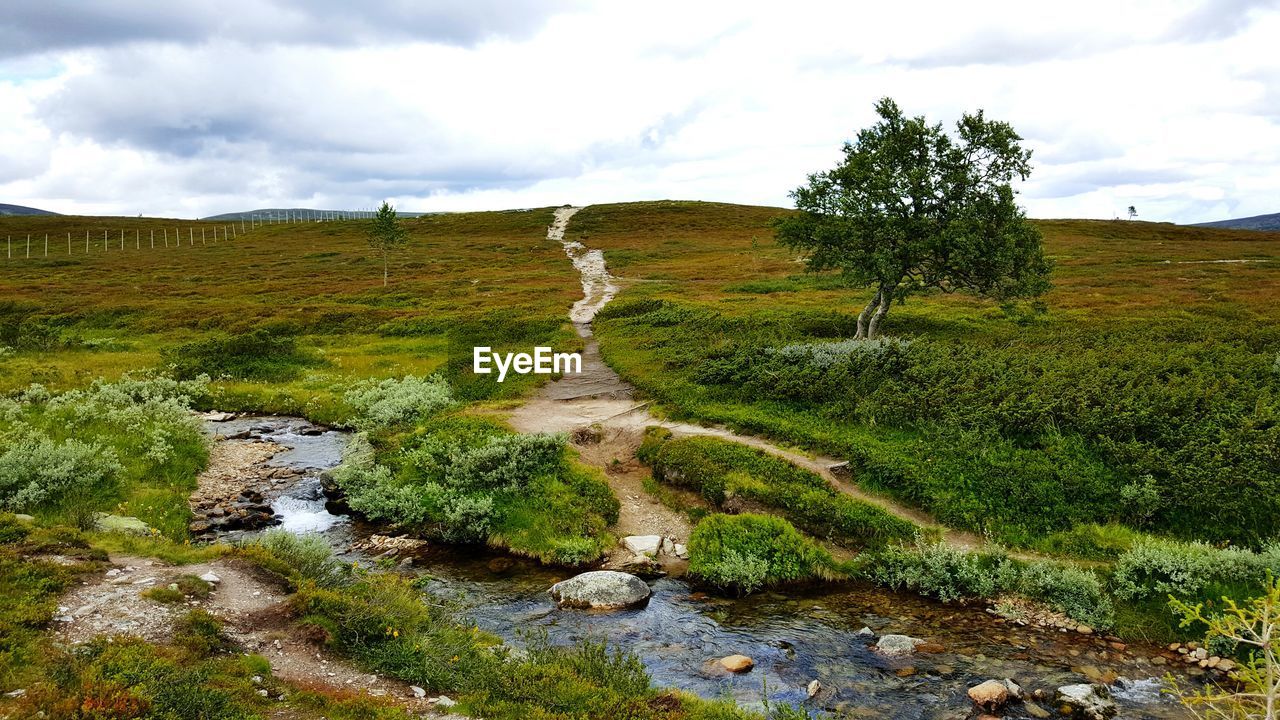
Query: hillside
point(271, 214)
point(6, 209)
point(1257, 222)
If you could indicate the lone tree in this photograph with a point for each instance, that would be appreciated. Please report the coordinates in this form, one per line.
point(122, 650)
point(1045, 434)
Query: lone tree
point(913, 209)
point(1133, 212)
point(386, 234)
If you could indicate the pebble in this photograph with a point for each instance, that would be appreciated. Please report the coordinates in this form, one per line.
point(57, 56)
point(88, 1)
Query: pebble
point(417, 691)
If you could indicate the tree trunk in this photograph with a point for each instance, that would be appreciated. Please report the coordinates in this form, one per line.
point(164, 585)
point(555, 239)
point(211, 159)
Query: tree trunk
point(862, 317)
point(881, 310)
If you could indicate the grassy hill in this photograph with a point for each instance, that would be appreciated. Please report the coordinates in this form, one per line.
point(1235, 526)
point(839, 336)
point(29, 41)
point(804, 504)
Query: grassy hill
point(1256, 222)
point(6, 209)
point(1145, 389)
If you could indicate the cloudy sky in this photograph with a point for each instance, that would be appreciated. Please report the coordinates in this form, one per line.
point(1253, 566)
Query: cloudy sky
point(200, 107)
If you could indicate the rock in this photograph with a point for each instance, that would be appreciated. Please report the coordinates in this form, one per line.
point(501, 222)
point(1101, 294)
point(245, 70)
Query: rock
point(263, 693)
point(668, 546)
point(1226, 665)
point(841, 470)
point(990, 695)
point(417, 691)
point(1084, 629)
point(814, 688)
point(1092, 702)
point(896, 645)
point(445, 701)
point(217, 417)
point(24, 518)
point(122, 524)
point(601, 590)
point(211, 578)
point(1015, 690)
point(643, 544)
point(680, 551)
point(866, 632)
point(641, 566)
point(16, 693)
point(1036, 711)
point(931, 648)
point(737, 663)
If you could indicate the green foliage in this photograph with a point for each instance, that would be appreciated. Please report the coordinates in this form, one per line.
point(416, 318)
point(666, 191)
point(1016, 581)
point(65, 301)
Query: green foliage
point(386, 233)
point(391, 403)
point(912, 209)
point(1018, 432)
point(719, 469)
point(1158, 568)
point(1074, 591)
point(200, 633)
point(264, 354)
point(468, 480)
point(37, 471)
point(1090, 541)
point(747, 552)
point(132, 447)
point(301, 558)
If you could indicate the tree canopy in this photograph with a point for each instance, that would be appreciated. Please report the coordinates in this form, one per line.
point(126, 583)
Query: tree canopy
point(913, 209)
point(386, 234)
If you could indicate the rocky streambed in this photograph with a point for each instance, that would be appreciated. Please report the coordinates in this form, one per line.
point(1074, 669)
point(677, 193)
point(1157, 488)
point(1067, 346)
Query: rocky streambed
point(836, 648)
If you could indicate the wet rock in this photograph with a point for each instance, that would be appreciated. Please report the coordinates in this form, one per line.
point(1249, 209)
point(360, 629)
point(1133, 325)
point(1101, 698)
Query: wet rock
point(601, 590)
point(814, 688)
point(1090, 702)
point(930, 648)
point(1035, 710)
point(389, 546)
point(990, 695)
point(866, 632)
point(217, 417)
point(897, 645)
point(311, 431)
point(737, 663)
point(643, 544)
point(500, 565)
point(241, 435)
point(639, 565)
point(1015, 690)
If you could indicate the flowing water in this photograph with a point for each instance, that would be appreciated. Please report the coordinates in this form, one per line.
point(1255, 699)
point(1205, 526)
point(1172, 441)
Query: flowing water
point(803, 635)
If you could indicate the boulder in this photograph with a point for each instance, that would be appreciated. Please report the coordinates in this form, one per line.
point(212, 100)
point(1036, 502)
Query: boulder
point(737, 663)
point(643, 544)
point(990, 695)
point(897, 645)
point(601, 590)
point(1091, 702)
point(122, 524)
point(211, 578)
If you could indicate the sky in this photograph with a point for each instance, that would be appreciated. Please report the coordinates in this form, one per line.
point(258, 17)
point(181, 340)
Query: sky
point(200, 107)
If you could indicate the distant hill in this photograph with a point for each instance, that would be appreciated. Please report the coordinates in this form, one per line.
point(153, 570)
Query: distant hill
point(1257, 222)
point(22, 210)
point(305, 213)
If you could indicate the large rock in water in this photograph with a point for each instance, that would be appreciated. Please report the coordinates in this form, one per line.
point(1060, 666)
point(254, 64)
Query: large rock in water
point(1092, 702)
point(990, 695)
point(601, 590)
point(897, 645)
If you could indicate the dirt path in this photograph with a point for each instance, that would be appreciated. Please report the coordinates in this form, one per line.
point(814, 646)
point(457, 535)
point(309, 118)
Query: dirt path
point(599, 397)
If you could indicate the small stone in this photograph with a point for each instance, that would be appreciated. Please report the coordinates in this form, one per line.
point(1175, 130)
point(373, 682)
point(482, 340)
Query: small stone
point(737, 663)
point(1159, 660)
point(445, 701)
point(417, 691)
point(814, 688)
point(1015, 690)
point(865, 631)
point(16, 693)
point(680, 551)
point(895, 645)
point(257, 679)
point(1036, 711)
point(930, 648)
point(1084, 629)
point(263, 693)
point(1226, 665)
point(211, 578)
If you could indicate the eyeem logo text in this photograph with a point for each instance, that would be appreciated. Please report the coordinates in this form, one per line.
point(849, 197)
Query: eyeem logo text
point(542, 362)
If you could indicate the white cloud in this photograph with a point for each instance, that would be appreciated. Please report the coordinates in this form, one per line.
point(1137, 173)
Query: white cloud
point(1173, 106)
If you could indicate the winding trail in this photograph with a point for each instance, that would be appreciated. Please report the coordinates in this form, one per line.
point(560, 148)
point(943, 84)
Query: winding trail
point(599, 397)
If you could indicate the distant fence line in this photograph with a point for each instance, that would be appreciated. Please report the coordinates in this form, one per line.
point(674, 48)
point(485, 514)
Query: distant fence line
point(37, 244)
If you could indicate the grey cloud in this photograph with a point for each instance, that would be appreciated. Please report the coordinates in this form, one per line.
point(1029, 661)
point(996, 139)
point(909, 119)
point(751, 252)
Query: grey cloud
point(1068, 182)
point(52, 25)
point(994, 47)
point(1217, 20)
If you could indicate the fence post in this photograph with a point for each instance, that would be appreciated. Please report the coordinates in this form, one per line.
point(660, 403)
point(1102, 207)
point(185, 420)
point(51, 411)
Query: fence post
point(46, 244)
point(137, 239)
point(86, 242)
point(202, 242)
point(121, 238)
point(191, 236)
point(68, 243)
point(165, 234)
point(104, 241)
point(28, 245)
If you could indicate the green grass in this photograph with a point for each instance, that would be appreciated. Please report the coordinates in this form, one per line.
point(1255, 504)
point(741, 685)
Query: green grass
point(749, 551)
point(1139, 374)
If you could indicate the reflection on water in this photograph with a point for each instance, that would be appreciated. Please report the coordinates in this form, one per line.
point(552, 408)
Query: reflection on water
point(794, 638)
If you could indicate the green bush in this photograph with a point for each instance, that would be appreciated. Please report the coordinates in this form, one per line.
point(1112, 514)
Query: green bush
point(306, 557)
point(719, 469)
point(1073, 591)
point(262, 354)
point(390, 403)
point(747, 552)
point(1159, 568)
point(1090, 541)
point(37, 471)
point(943, 571)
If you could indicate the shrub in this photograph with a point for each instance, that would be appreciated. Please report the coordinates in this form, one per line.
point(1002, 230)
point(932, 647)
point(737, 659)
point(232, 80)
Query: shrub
point(307, 557)
point(263, 354)
point(747, 552)
point(391, 403)
point(719, 468)
point(942, 571)
point(1091, 541)
point(200, 633)
point(1076, 592)
point(1157, 568)
point(37, 471)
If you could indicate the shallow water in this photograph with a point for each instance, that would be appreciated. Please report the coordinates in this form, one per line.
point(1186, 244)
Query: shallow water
point(802, 635)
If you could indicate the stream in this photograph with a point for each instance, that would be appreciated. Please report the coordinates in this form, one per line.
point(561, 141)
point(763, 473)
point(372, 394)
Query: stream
point(794, 637)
